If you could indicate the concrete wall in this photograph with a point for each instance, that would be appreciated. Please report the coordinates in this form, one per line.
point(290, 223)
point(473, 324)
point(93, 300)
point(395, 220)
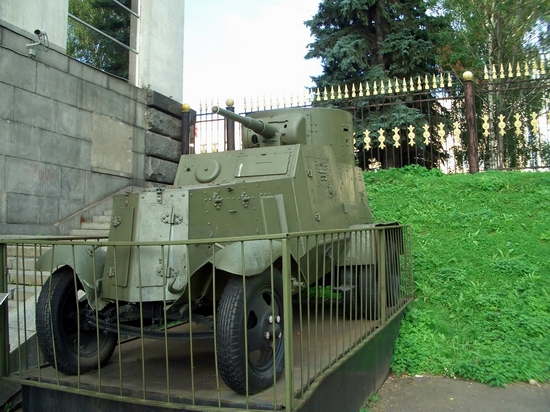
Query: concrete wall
point(29, 15)
point(71, 135)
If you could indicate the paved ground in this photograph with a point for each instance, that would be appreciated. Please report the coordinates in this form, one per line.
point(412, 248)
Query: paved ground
point(435, 394)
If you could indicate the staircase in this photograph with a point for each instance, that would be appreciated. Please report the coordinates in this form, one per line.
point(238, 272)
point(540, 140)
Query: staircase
point(25, 284)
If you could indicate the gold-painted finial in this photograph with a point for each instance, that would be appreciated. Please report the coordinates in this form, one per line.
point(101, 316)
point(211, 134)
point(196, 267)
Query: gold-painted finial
point(468, 76)
point(186, 107)
point(229, 102)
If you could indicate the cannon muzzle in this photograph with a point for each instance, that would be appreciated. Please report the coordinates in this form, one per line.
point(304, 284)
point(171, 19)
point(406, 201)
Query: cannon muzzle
point(263, 129)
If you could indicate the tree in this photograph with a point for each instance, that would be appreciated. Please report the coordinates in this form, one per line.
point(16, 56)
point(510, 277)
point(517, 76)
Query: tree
point(500, 35)
point(94, 49)
point(365, 41)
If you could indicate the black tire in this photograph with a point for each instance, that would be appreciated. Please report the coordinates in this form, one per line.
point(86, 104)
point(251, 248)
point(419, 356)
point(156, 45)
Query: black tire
point(361, 292)
point(264, 328)
point(57, 327)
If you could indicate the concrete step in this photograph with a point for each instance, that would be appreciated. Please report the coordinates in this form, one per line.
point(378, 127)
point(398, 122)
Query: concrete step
point(90, 233)
point(29, 277)
point(102, 219)
point(95, 225)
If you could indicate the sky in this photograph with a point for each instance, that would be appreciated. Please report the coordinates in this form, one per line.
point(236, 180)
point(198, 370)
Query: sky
point(246, 49)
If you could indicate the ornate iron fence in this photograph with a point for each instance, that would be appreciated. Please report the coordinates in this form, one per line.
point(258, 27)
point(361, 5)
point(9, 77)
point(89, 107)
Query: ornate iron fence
point(423, 120)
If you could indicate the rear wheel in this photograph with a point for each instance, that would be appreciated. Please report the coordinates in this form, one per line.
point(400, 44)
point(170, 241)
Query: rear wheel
point(251, 339)
point(61, 304)
point(360, 285)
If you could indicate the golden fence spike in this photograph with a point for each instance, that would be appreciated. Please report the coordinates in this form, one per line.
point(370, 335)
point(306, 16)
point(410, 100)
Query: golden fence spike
point(374, 89)
point(535, 122)
point(501, 125)
point(419, 84)
point(396, 137)
point(339, 92)
point(332, 94)
point(382, 87)
point(353, 94)
point(501, 71)
point(518, 124)
point(397, 88)
point(367, 93)
point(411, 84)
point(426, 134)
point(493, 72)
point(526, 69)
point(441, 80)
point(405, 90)
point(346, 93)
point(411, 134)
point(542, 68)
point(518, 70)
point(361, 89)
point(244, 105)
point(366, 139)
point(510, 71)
point(381, 138)
point(318, 95)
point(325, 94)
point(390, 89)
point(434, 82)
point(485, 72)
point(426, 83)
point(535, 68)
point(441, 133)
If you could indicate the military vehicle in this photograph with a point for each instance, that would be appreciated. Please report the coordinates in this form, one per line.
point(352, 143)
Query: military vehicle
point(295, 172)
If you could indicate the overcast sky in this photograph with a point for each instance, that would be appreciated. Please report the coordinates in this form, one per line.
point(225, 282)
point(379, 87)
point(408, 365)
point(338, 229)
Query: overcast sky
point(246, 48)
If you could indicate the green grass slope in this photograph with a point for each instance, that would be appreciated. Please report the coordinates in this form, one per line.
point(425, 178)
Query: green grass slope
point(481, 249)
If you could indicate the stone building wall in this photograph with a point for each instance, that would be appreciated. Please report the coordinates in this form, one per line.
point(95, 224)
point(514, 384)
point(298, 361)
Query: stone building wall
point(71, 135)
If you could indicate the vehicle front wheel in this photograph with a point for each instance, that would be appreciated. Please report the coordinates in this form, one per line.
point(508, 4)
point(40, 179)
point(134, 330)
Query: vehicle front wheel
point(250, 332)
point(59, 313)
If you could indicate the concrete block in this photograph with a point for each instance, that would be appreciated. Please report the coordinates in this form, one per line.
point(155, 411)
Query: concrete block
point(23, 208)
point(19, 140)
point(32, 178)
point(99, 186)
point(2, 172)
point(49, 210)
point(17, 70)
point(56, 84)
point(73, 184)
point(3, 207)
point(27, 229)
point(7, 101)
point(162, 123)
point(162, 147)
point(99, 100)
point(34, 110)
point(68, 207)
point(111, 145)
point(140, 116)
point(87, 73)
point(158, 170)
point(121, 87)
point(72, 121)
point(138, 141)
point(65, 151)
point(53, 59)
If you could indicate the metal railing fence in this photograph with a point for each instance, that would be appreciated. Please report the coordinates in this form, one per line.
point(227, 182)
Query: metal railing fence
point(322, 297)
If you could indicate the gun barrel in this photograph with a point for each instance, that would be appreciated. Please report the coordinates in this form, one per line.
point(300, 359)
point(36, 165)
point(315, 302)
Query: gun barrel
point(264, 129)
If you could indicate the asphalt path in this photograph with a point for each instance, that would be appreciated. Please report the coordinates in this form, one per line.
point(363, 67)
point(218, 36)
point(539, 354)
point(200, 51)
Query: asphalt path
point(435, 394)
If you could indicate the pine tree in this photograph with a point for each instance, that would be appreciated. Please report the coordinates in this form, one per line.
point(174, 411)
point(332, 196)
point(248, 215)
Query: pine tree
point(379, 40)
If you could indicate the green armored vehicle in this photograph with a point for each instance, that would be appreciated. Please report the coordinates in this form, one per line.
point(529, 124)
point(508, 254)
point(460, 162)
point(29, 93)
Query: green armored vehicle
point(296, 172)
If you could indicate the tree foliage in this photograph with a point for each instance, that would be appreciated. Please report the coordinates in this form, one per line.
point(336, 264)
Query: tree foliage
point(90, 47)
point(365, 41)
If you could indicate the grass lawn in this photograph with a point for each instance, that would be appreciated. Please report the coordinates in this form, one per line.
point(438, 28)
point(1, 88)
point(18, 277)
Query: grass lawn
point(481, 249)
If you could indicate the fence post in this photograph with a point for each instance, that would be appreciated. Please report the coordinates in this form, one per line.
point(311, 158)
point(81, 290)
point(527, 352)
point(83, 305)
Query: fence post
point(230, 126)
point(4, 327)
point(287, 322)
point(185, 127)
point(470, 104)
